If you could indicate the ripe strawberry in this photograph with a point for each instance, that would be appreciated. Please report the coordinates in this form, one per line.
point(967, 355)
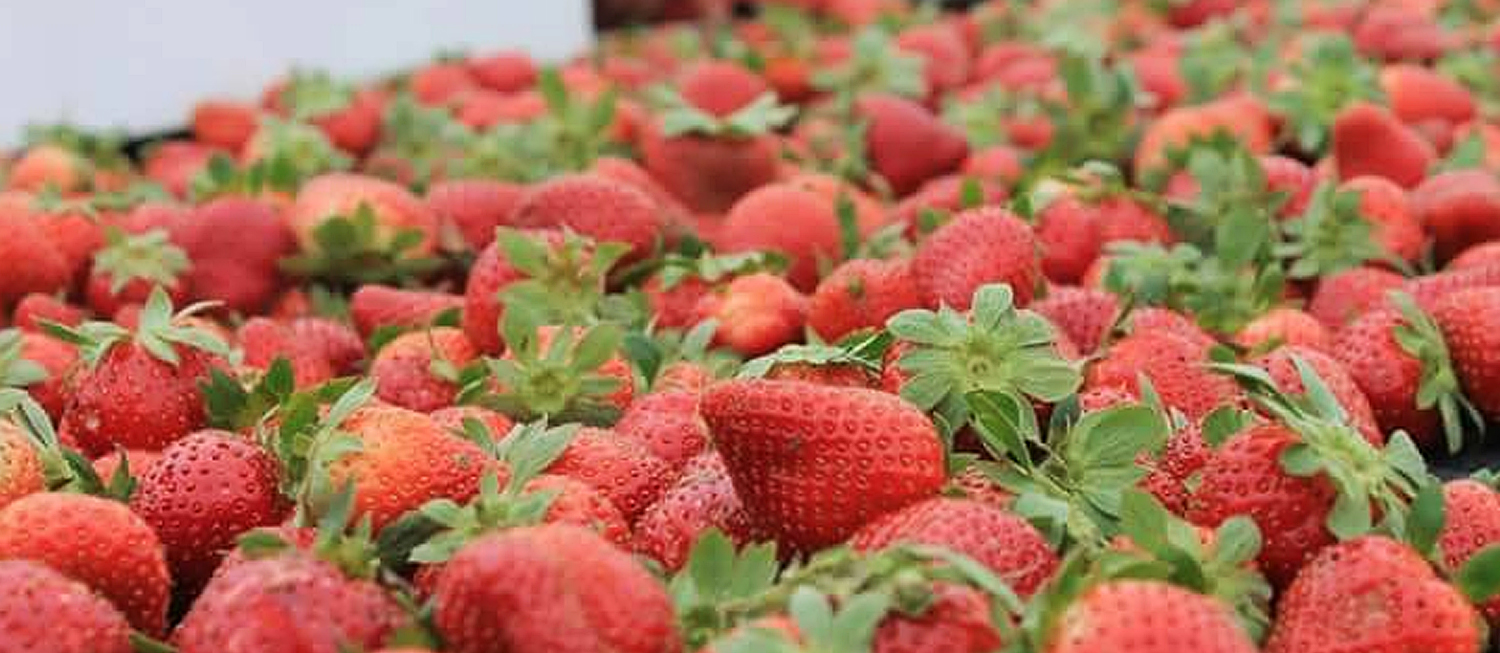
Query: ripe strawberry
point(175, 164)
point(1368, 140)
point(35, 308)
point(373, 306)
point(1478, 256)
point(441, 83)
point(53, 166)
point(1472, 522)
point(263, 340)
point(339, 344)
point(1245, 119)
point(907, 144)
point(420, 370)
point(45, 271)
point(40, 364)
point(1428, 290)
point(978, 247)
point(1146, 616)
point(1073, 232)
point(507, 71)
point(140, 390)
point(235, 245)
point(1011, 548)
point(922, 211)
point(1289, 176)
point(1344, 296)
point(20, 465)
point(683, 376)
point(1283, 370)
point(535, 589)
point(861, 294)
point(708, 173)
point(701, 498)
point(668, 423)
point(622, 468)
point(97, 542)
point(1372, 594)
point(288, 602)
point(404, 460)
point(579, 504)
point(1418, 94)
point(395, 210)
point(204, 491)
point(1176, 367)
point(1459, 208)
point(777, 442)
point(127, 269)
point(139, 460)
point(1085, 315)
point(673, 304)
point(957, 619)
point(1284, 326)
point(1469, 320)
point(1384, 205)
point(795, 221)
point(756, 313)
point(559, 269)
point(474, 207)
point(224, 124)
point(997, 163)
point(1395, 32)
point(720, 87)
point(597, 207)
point(42, 611)
point(1164, 319)
point(945, 60)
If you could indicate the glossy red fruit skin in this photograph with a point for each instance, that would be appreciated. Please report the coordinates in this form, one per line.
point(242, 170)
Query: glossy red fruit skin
point(453, 418)
point(957, 621)
point(720, 87)
point(373, 306)
point(580, 504)
point(1343, 296)
point(861, 294)
point(133, 400)
point(1283, 326)
point(1244, 478)
point(1470, 321)
point(1176, 367)
point(798, 222)
point(263, 341)
point(1085, 315)
point(1387, 374)
point(672, 308)
point(756, 314)
point(490, 274)
point(701, 498)
point(290, 602)
point(46, 270)
point(1142, 616)
point(1459, 208)
point(1430, 289)
point(621, 468)
point(907, 144)
point(1372, 594)
point(60, 360)
point(668, 423)
point(236, 245)
point(551, 589)
point(1368, 140)
point(35, 308)
point(339, 344)
point(976, 248)
point(1472, 511)
point(42, 611)
point(403, 369)
point(97, 542)
point(1073, 233)
point(1010, 546)
point(594, 206)
point(708, 175)
point(813, 463)
point(1279, 364)
point(474, 207)
point(1396, 227)
point(204, 491)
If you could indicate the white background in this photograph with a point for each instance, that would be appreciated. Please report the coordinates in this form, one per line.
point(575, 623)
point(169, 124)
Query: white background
point(140, 64)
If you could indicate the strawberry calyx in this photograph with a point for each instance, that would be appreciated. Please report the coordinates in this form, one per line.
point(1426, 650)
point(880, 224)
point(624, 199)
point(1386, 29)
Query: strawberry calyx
point(305, 149)
point(305, 439)
point(1419, 336)
point(148, 256)
point(96, 149)
point(995, 348)
point(347, 545)
point(861, 350)
point(17, 371)
point(222, 177)
point(560, 381)
point(237, 403)
point(351, 250)
point(63, 469)
point(1370, 481)
point(875, 66)
point(1329, 74)
point(651, 352)
point(159, 332)
point(565, 276)
point(312, 94)
point(1331, 236)
point(1093, 121)
point(1222, 295)
point(761, 116)
point(674, 268)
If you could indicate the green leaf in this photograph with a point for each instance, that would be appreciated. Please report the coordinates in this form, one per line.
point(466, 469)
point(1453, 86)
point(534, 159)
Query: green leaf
point(1479, 577)
point(1424, 523)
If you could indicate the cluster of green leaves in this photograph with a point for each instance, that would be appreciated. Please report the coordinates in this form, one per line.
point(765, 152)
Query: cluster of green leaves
point(561, 381)
point(312, 94)
point(104, 149)
point(1095, 121)
point(355, 249)
point(760, 116)
point(875, 66)
point(159, 332)
point(1329, 75)
point(1419, 336)
point(148, 256)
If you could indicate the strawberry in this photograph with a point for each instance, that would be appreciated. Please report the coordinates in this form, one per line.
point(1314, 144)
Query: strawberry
point(1073, 232)
point(1472, 523)
point(374, 306)
point(1368, 140)
point(861, 294)
point(1481, 255)
point(474, 207)
point(420, 370)
point(1169, 321)
point(926, 209)
point(907, 144)
point(945, 59)
point(1349, 598)
point(755, 313)
point(668, 423)
point(577, 503)
point(175, 164)
point(1281, 365)
point(957, 619)
point(997, 163)
point(42, 611)
point(720, 88)
point(1469, 320)
point(48, 165)
point(529, 590)
point(36, 308)
point(1284, 326)
point(454, 419)
point(139, 462)
point(700, 499)
point(978, 247)
point(1145, 616)
point(127, 269)
point(337, 343)
point(1459, 208)
point(441, 82)
point(1289, 176)
point(97, 542)
point(20, 465)
point(225, 124)
point(795, 221)
point(560, 271)
point(597, 207)
point(40, 364)
point(263, 341)
point(1177, 369)
point(709, 163)
point(45, 271)
point(621, 468)
point(1011, 548)
point(507, 71)
point(1395, 32)
point(1085, 315)
point(777, 442)
point(1246, 120)
point(386, 218)
point(1343, 296)
point(204, 491)
point(1428, 290)
point(1397, 229)
point(140, 389)
point(235, 245)
point(1418, 94)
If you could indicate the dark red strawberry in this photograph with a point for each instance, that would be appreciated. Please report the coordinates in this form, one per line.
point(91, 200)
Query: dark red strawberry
point(1368, 140)
point(374, 306)
point(1011, 548)
point(978, 247)
point(235, 245)
point(701, 498)
point(42, 611)
point(708, 162)
point(907, 144)
point(668, 423)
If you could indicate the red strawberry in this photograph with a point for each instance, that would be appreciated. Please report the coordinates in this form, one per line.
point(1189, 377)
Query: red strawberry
point(42, 611)
point(1073, 232)
point(1368, 140)
point(721, 87)
point(441, 82)
point(673, 306)
point(1246, 119)
point(567, 269)
point(997, 163)
point(405, 459)
point(1418, 94)
point(1430, 289)
point(45, 165)
point(374, 306)
point(474, 207)
point(1169, 321)
point(1176, 367)
point(1481, 255)
point(579, 504)
point(1085, 315)
point(129, 267)
point(264, 340)
point(454, 417)
point(54, 358)
point(945, 59)
point(683, 376)
point(796, 221)
point(756, 313)
point(204, 491)
point(708, 174)
point(1343, 296)
point(1459, 208)
point(235, 245)
point(1289, 176)
point(597, 207)
point(225, 124)
point(337, 342)
point(1470, 321)
point(1284, 326)
point(97, 542)
point(1396, 357)
point(701, 498)
point(554, 589)
point(20, 465)
point(1145, 616)
point(419, 370)
point(36, 308)
point(907, 144)
point(957, 619)
point(668, 423)
point(1279, 364)
point(1397, 32)
point(1396, 227)
point(1172, 475)
point(141, 390)
point(175, 164)
point(139, 460)
point(289, 602)
point(861, 294)
point(45, 271)
point(1472, 522)
point(395, 210)
point(508, 71)
point(978, 247)
point(622, 468)
point(1011, 548)
point(923, 210)
point(780, 440)
point(1372, 594)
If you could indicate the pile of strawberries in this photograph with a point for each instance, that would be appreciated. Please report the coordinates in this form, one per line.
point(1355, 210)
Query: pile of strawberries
point(1071, 326)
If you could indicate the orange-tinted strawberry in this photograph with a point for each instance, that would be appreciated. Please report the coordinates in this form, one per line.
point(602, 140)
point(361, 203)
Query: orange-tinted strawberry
point(560, 589)
point(419, 370)
point(781, 439)
point(861, 294)
point(139, 460)
point(621, 468)
point(597, 207)
point(1146, 616)
point(1284, 326)
point(474, 207)
point(97, 542)
point(1459, 208)
point(506, 71)
point(755, 313)
point(20, 465)
point(701, 498)
point(1241, 117)
point(47, 165)
point(907, 144)
point(1176, 367)
point(395, 210)
point(668, 423)
point(1011, 548)
point(797, 222)
point(978, 247)
point(374, 306)
point(42, 611)
point(1368, 140)
point(1343, 296)
point(441, 82)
